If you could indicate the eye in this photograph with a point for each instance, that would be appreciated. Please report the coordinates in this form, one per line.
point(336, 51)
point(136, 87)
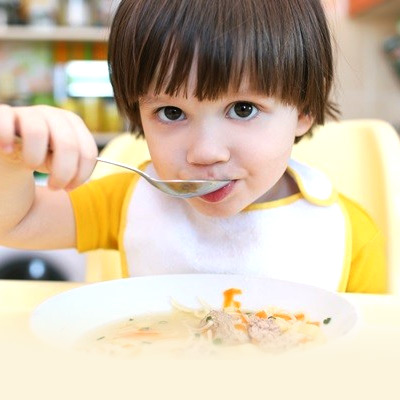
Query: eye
point(169, 113)
point(242, 110)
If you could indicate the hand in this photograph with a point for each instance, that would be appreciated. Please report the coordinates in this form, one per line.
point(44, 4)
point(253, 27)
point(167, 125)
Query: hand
point(53, 140)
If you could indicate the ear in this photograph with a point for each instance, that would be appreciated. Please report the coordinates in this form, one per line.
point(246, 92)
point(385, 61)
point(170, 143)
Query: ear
point(304, 123)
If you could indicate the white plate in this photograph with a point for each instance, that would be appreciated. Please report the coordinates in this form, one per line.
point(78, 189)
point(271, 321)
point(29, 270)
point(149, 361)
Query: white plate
point(65, 318)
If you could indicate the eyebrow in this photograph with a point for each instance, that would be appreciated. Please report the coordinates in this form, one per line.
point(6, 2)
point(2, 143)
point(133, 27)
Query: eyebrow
point(150, 99)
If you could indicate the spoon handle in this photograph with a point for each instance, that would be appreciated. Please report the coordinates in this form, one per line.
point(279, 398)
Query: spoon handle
point(118, 164)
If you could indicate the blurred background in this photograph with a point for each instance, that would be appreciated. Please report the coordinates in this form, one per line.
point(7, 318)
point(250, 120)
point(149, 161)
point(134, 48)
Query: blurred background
point(54, 52)
point(367, 44)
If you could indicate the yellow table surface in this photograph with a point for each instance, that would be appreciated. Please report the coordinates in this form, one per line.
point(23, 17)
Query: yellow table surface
point(366, 364)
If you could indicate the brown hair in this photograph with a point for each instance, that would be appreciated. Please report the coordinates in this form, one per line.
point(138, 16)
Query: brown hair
point(283, 46)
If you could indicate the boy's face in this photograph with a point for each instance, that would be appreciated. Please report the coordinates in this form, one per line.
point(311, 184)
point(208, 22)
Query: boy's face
point(244, 137)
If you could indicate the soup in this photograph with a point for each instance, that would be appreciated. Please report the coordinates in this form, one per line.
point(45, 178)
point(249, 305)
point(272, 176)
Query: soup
point(206, 331)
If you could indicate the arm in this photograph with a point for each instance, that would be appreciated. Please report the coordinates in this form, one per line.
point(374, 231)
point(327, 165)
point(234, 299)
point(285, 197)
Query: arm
point(41, 218)
point(368, 268)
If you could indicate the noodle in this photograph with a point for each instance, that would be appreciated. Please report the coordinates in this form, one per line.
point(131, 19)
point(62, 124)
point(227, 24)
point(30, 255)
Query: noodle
point(204, 330)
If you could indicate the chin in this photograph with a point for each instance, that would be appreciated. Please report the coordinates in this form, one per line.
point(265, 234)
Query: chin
point(214, 210)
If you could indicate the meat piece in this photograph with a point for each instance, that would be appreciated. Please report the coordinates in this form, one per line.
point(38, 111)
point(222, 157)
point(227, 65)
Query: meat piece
point(222, 326)
point(268, 335)
point(263, 330)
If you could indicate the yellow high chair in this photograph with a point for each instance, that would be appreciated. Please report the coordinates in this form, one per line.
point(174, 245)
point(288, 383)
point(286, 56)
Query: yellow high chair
point(362, 157)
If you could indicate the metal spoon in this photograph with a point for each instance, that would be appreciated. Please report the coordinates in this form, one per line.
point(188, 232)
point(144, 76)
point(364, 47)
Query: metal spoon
point(176, 188)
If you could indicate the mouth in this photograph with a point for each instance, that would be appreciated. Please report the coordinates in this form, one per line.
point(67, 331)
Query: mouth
point(220, 194)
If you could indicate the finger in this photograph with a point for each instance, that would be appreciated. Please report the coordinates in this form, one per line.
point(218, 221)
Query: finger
point(7, 128)
point(34, 131)
point(88, 152)
point(65, 148)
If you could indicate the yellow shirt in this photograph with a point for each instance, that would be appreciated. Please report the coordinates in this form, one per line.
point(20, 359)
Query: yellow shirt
point(100, 210)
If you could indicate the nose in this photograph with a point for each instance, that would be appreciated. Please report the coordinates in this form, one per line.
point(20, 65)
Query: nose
point(207, 147)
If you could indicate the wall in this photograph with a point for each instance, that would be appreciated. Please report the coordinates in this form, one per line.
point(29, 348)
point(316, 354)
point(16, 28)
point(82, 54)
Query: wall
point(366, 85)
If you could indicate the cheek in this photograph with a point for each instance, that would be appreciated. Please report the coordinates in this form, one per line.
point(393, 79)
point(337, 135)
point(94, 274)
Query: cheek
point(166, 155)
point(162, 160)
point(266, 156)
point(272, 146)
point(284, 134)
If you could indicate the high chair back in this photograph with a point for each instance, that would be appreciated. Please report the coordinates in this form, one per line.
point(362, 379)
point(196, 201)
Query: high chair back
point(362, 157)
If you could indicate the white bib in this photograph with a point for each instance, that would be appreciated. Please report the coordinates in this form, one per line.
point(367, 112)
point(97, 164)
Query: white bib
point(300, 241)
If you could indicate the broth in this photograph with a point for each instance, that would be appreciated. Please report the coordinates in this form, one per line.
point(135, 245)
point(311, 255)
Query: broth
point(203, 334)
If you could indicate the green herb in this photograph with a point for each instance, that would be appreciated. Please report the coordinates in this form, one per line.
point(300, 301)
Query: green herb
point(209, 318)
point(327, 320)
point(101, 337)
point(271, 317)
point(146, 342)
point(130, 319)
point(197, 334)
point(217, 341)
point(163, 322)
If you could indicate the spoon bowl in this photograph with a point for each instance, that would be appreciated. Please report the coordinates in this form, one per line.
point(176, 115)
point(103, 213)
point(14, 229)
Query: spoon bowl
point(176, 187)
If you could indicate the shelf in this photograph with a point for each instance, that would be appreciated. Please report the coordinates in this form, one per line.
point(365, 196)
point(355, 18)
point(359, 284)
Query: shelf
point(375, 8)
point(54, 33)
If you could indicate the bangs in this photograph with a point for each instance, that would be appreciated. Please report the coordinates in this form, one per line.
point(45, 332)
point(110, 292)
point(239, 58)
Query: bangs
point(221, 58)
point(280, 48)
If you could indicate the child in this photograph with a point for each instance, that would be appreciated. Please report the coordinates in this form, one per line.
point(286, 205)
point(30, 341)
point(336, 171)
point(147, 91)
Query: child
point(221, 90)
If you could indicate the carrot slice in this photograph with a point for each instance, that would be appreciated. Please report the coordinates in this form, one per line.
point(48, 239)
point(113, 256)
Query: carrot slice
point(286, 317)
point(261, 314)
point(229, 298)
point(244, 319)
point(240, 327)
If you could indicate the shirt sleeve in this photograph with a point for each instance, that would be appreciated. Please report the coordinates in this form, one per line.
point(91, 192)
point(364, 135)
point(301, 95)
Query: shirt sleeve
point(368, 271)
point(97, 207)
